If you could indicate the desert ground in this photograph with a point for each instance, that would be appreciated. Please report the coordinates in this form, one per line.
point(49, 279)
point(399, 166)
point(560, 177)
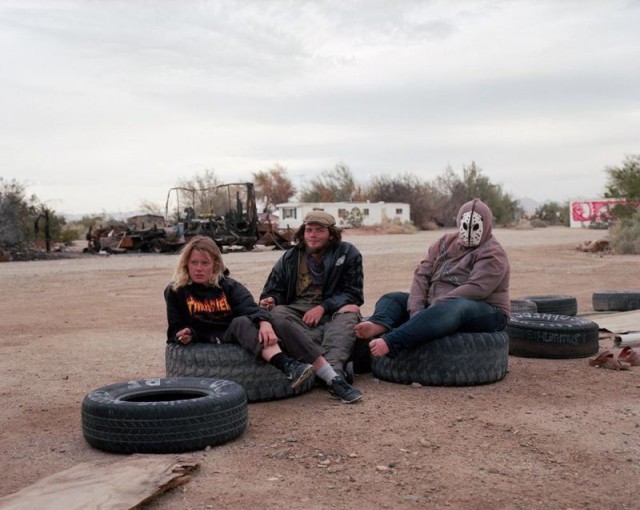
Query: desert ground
point(551, 434)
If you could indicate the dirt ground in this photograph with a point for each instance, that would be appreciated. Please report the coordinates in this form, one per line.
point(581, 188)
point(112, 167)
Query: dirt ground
point(551, 434)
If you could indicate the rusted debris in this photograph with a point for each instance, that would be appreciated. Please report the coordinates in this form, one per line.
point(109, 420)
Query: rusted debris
point(601, 245)
point(271, 235)
point(226, 213)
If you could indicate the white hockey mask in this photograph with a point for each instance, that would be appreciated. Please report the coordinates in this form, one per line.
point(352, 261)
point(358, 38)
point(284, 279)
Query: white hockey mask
point(471, 228)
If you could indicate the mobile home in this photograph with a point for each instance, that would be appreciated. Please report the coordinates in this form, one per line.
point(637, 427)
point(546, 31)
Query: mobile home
point(347, 214)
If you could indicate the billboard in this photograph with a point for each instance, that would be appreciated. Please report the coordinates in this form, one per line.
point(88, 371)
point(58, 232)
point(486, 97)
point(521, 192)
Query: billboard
point(585, 213)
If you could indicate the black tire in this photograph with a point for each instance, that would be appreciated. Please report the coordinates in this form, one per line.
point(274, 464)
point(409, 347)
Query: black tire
point(462, 359)
point(164, 415)
point(523, 305)
point(616, 300)
point(262, 381)
point(543, 335)
point(561, 305)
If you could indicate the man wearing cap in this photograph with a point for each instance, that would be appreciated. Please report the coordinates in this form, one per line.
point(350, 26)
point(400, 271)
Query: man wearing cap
point(318, 285)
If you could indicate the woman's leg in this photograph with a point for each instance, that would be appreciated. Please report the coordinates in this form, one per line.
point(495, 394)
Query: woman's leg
point(243, 331)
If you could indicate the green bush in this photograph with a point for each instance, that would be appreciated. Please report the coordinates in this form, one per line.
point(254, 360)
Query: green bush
point(624, 236)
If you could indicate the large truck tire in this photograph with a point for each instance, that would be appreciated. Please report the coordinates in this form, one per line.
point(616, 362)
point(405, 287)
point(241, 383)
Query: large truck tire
point(616, 300)
point(544, 335)
point(171, 415)
point(262, 381)
point(561, 305)
point(461, 359)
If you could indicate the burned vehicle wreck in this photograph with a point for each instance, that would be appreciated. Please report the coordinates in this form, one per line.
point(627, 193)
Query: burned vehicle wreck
point(227, 213)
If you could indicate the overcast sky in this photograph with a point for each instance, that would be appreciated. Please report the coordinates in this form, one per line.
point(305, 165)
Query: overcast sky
point(107, 104)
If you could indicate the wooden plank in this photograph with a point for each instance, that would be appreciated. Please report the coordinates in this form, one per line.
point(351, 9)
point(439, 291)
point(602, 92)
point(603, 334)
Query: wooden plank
point(126, 484)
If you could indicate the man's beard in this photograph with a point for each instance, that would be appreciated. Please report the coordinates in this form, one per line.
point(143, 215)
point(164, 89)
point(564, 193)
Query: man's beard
point(315, 251)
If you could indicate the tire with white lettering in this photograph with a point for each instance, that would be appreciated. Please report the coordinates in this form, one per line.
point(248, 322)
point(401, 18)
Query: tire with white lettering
point(544, 335)
point(262, 381)
point(616, 300)
point(462, 359)
point(561, 305)
point(171, 415)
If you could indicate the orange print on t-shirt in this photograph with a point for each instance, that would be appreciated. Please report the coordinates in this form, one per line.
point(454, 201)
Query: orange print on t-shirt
point(212, 306)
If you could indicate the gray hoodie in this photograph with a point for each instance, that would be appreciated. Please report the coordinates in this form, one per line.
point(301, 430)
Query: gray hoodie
point(452, 270)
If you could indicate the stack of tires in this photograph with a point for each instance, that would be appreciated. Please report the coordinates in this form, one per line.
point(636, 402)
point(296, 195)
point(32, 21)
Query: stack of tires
point(552, 331)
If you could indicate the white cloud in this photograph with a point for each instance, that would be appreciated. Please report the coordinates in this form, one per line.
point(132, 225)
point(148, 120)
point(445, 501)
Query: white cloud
point(129, 97)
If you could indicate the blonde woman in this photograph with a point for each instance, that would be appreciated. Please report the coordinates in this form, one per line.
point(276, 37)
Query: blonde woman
point(204, 304)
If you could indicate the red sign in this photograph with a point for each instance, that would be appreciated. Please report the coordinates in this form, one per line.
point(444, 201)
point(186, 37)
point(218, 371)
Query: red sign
point(594, 211)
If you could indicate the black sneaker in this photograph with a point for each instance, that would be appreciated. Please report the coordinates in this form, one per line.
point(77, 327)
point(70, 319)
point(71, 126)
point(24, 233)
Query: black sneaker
point(344, 391)
point(298, 372)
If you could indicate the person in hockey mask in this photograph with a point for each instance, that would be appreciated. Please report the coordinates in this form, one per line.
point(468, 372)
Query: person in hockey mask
point(462, 284)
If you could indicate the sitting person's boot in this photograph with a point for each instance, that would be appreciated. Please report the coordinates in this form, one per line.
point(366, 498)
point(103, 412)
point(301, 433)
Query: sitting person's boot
point(344, 391)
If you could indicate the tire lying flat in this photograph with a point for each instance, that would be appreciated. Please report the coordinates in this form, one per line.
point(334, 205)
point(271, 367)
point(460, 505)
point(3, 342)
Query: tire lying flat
point(171, 415)
point(523, 305)
point(544, 335)
point(262, 381)
point(462, 359)
point(616, 300)
point(561, 305)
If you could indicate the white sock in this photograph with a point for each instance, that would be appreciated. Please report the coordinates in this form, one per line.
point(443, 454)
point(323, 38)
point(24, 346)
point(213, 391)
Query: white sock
point(326, 373)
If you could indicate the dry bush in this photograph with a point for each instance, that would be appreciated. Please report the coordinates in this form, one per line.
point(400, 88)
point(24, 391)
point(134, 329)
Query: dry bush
point(625, 235)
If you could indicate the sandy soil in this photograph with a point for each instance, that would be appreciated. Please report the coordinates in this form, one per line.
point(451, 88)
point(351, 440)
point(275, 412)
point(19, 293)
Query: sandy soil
point(552, 434)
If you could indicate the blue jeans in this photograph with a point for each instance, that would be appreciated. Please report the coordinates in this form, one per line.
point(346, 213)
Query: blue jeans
point(435, 321)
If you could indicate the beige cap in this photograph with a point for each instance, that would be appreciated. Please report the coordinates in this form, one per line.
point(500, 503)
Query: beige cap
point(319, 218)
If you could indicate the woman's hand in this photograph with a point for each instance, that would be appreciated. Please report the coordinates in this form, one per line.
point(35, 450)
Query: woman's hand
point(266, 335)
point(267, 303)
point(184, 336)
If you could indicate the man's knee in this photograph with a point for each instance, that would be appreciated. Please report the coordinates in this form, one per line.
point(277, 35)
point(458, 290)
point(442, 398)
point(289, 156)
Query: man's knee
point(345, 318)
point(350, 309)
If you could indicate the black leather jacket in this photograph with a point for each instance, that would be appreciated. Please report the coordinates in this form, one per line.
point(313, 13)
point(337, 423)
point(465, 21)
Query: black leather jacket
point(343, 277)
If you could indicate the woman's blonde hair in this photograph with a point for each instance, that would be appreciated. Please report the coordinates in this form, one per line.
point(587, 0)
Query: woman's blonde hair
point(202, 244)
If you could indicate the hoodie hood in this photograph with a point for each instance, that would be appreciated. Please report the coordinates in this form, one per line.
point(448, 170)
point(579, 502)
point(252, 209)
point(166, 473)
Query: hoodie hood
point(476, 207)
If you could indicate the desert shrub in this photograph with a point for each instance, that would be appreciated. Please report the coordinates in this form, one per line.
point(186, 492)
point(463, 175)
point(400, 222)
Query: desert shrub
point(624, 235)
point(538, 223)
point(68, 235)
